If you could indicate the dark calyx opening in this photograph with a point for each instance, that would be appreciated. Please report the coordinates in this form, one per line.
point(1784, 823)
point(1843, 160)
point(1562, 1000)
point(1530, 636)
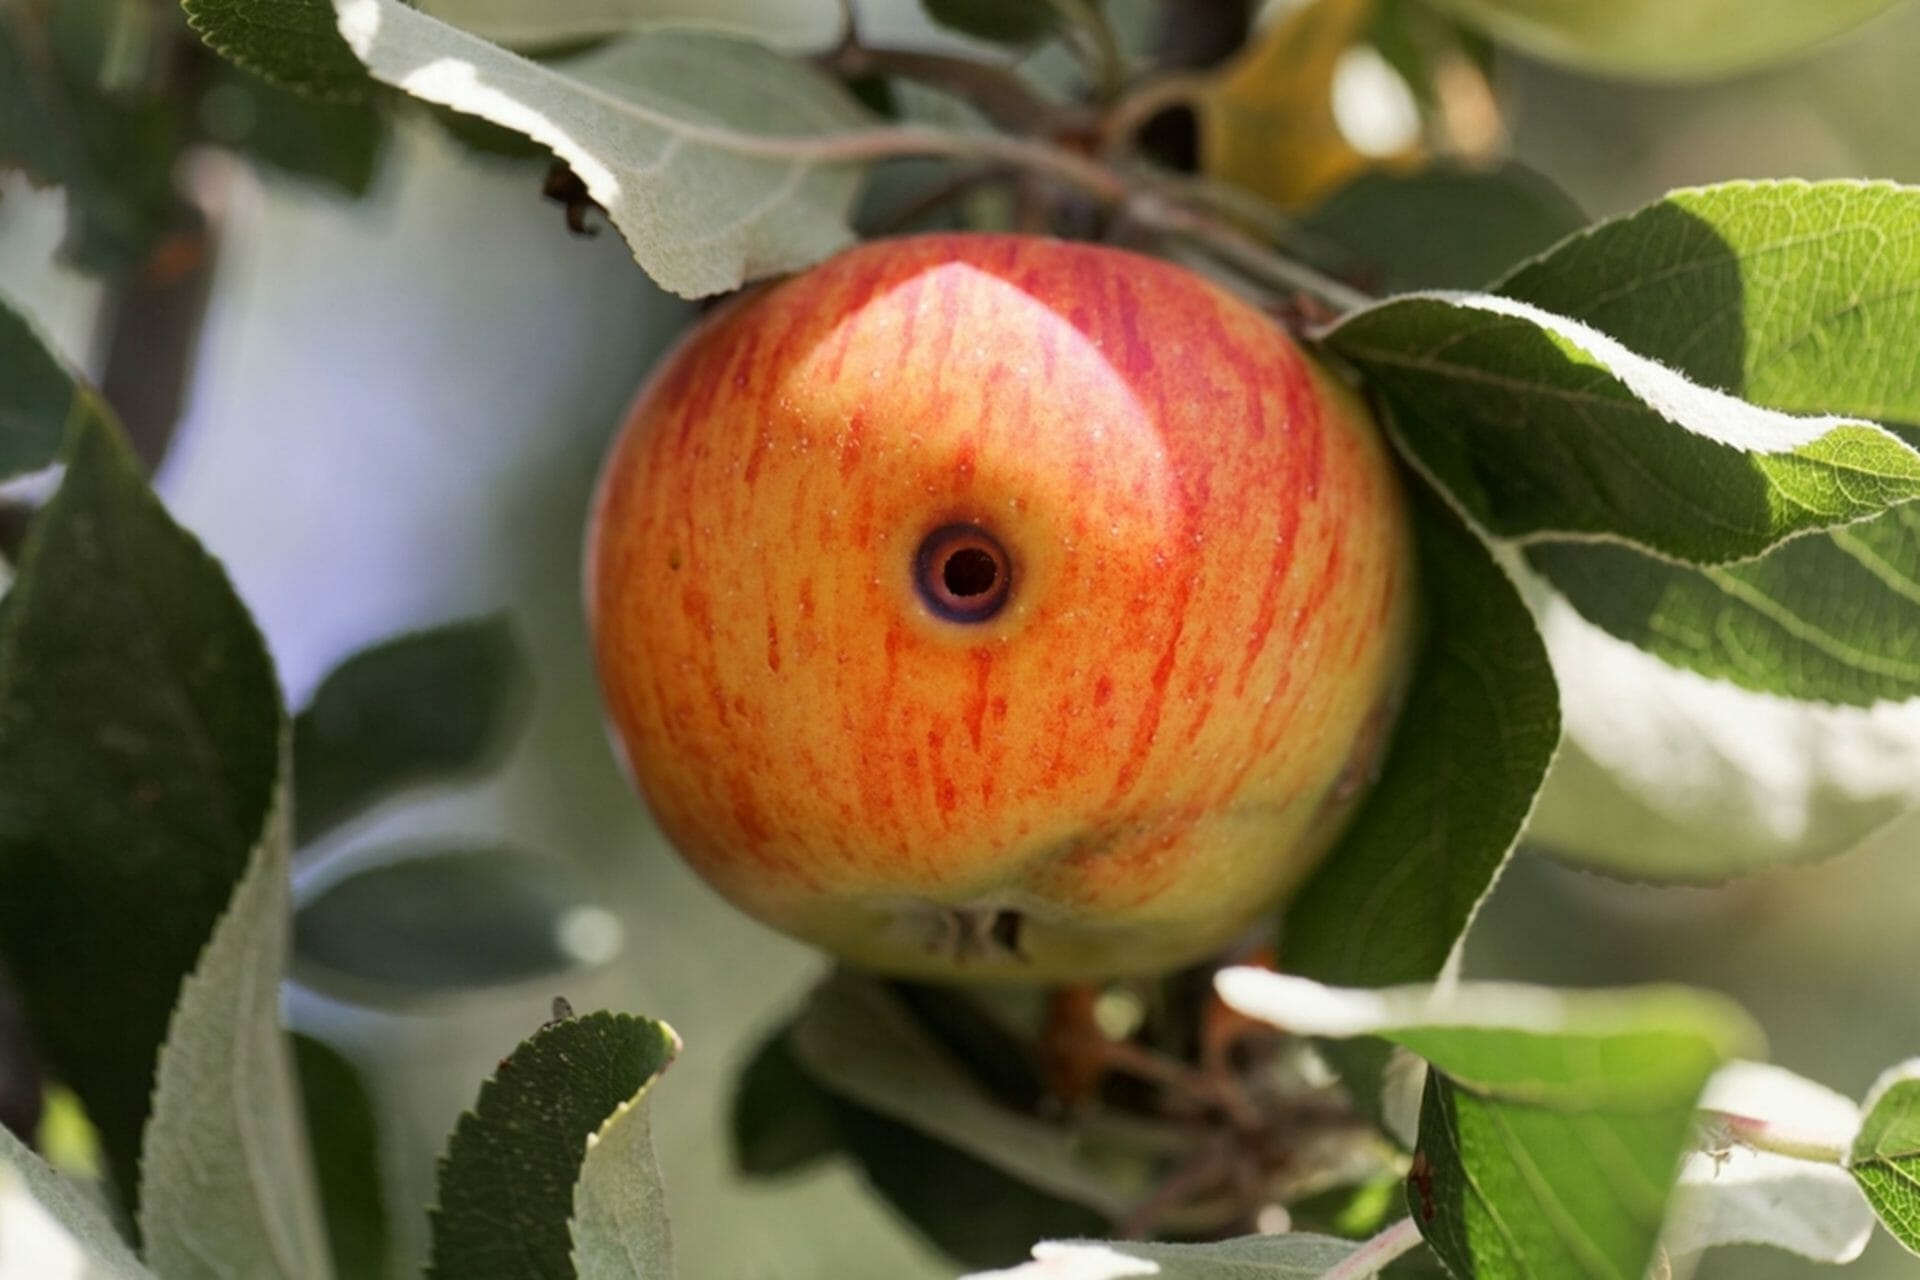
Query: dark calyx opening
point(962, 572)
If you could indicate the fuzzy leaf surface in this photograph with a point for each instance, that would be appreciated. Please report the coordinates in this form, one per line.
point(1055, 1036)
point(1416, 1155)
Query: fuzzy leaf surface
point(510, 1181)
point(1542, 426)
point(48, 1217)
point(226, 1176)
point(694, 143)
point(293, 43)
point(1803, 297)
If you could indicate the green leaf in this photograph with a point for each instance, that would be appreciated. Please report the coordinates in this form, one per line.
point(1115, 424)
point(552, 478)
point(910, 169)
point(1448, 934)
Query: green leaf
point(858, 1040)
point(431, 921)
point(781, 1121)
point(426, 707)
point(1885, 1159)
point(1442, 227)
point(1665, 39)
point(1553, 1124)
point(345, 1138)
point(1799, 296)
point(1539, 425)
point(1828, 619)
point(226, 1177)
point(60, 1211)
point(292, 43)
point(509, 1182)
point(336, 143)
point(140, 731)
point(114, 154)
point(1479, 727)
point(1015, 22)
point(1728, 285)
point(1272, 1257)
point(705, 151)
point(41, 401)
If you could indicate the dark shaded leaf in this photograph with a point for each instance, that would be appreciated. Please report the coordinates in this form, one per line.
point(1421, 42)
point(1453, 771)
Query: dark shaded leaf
point(1015, 22)
point(422, 708)
point(139, 742)
point(1444, 227)
point(40, 399)
point(346, 1159)
point(1480, 725)
point(440, 920)
point(293, 43)
point(781, 1121)
point(507, 1181)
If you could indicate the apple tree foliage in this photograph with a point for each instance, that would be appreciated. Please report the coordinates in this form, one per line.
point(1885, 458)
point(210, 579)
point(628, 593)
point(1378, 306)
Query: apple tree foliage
point(1693, 426)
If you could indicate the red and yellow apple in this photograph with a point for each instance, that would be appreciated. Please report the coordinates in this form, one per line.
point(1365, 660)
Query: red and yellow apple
point(996, 606)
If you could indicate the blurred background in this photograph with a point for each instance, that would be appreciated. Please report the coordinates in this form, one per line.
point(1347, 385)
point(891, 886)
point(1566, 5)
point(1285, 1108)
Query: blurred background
point(399, 408)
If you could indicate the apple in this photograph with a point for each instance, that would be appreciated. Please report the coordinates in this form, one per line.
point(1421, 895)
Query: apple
point(992, 606)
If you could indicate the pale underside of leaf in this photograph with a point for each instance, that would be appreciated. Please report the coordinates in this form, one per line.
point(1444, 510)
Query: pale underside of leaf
point(1270, 1257)
point(50, 1229)
point(226, 1181)
point(619, 1226)
point(685, 138)
point(1743, 1196)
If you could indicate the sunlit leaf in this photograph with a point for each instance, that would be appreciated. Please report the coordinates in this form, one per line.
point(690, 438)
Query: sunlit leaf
point(1802, 297)
point(1541, 426)
point(1885, 1159)
point(50, 1222)
point(1553, 1124)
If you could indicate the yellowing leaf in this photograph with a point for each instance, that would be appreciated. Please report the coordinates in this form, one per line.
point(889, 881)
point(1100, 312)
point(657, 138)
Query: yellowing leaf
point(1267, 119)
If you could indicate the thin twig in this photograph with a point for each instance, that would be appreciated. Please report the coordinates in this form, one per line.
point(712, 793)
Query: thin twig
point(1125, 118)
point(1000, 94)
point(1722, 1129)
point(1372, 1257)
point(1236, 247)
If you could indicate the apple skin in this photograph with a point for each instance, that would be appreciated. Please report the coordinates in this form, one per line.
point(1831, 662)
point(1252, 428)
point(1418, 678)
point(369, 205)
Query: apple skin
point(1207, 632)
